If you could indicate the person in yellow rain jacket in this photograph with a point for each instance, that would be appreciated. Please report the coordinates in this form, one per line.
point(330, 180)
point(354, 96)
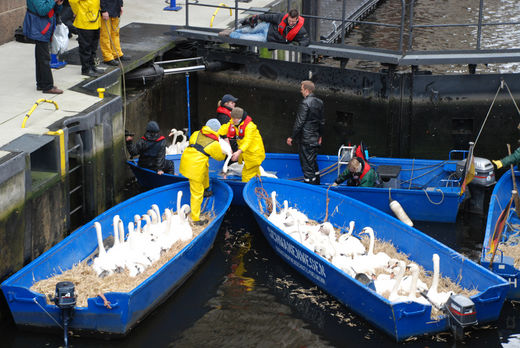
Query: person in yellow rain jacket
point(250, 145)
point(88, 22)
point(195, 164)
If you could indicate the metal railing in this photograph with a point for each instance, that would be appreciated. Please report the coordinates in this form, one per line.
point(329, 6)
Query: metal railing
point(406, 27)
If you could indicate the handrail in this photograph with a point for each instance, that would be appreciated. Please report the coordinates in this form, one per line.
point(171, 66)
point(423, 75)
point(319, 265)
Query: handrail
point(475, 54)
point(38, 102)
point(61, 134)
point(216, 11)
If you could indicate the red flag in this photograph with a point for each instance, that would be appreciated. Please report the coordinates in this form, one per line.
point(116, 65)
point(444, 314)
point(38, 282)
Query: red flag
point(499, 228)
point(469, 170)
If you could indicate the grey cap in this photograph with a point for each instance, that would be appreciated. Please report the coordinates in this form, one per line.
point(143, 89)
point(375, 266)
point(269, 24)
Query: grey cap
point(214, 124)
point(153, 127)
point(228, 97)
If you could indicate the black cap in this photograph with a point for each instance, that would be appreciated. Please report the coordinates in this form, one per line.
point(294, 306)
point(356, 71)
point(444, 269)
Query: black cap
point(228, 97)
point(153, 127)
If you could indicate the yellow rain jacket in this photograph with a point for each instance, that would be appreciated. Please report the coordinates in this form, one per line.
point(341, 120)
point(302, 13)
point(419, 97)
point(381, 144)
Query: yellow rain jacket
point(87, 14)
point(250, 142)
point(195, 165)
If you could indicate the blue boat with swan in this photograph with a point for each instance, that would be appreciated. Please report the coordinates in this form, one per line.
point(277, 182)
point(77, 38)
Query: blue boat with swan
point(31, 309)
point(501, 246)
point(400, 319)
point(427, 190)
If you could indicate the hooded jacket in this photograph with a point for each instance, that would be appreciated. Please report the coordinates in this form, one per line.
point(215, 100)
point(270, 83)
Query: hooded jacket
point(310, 122)
point(151, 149)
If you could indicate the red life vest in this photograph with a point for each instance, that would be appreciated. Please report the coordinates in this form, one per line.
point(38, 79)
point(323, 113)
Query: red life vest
point(158, 139)
point(241, 129)
point(292, 33)
point(224, 110)
point(366, 168)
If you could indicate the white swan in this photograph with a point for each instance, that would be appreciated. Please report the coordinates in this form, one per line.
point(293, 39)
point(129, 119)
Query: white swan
point(172, 149)
point(274, 217)
point(180, 222)
point(102, 264)
point(370, 262)
point(226, 149)
point(394, 296)
point(115, 252)
point(350, 245)
point(407, 281)
point(413, 286)
point(183, 144)
point(438, 298)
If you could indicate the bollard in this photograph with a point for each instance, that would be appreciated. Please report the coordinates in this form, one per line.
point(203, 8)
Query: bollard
point(101, 92)
point(172, 7)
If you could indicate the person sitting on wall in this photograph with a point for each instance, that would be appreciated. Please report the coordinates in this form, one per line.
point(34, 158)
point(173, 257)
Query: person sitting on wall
point(281, 28)
point(358, 173)
point(151, 149)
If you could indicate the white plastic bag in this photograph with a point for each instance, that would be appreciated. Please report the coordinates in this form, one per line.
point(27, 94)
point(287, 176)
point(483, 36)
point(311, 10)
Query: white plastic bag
point(60, 39)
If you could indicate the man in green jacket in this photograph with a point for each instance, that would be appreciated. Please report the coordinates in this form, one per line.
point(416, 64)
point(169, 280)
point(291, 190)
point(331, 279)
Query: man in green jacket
point(513, 159)
point(358, 173)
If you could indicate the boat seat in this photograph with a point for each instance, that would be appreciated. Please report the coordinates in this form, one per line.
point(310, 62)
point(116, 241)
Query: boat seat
point(387, 172)
point(388, 175)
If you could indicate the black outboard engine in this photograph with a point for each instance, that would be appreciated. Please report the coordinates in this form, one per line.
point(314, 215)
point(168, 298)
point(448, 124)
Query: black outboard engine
point(65, 299)
point(461, 313)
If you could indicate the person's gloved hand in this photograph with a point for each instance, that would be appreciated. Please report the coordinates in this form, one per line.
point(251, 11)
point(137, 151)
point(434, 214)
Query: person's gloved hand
point(497, 163)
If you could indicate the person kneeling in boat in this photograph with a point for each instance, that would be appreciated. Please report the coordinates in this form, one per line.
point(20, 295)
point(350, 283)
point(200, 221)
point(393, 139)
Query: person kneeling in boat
point(358, 173)
point(250, 144)
point(512, 159)
point(151, 149)
point(195, 164)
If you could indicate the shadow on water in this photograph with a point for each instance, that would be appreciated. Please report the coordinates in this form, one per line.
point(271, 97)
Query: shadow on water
point(244, 295)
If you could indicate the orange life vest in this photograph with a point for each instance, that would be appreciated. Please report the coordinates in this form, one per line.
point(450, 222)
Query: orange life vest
point(292, 33)
point(232, 132)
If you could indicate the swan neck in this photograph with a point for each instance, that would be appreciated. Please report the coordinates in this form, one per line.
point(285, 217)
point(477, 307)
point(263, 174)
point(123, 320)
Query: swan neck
point(102, 250)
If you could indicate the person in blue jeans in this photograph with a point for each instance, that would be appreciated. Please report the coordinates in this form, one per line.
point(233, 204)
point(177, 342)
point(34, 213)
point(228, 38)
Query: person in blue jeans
point(281, 28)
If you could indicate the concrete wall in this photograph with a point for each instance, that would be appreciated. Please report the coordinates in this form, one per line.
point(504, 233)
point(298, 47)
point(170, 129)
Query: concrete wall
point(12, 13)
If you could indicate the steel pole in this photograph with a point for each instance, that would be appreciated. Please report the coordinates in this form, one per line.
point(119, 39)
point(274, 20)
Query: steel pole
point(479, 29)
point(188, 102)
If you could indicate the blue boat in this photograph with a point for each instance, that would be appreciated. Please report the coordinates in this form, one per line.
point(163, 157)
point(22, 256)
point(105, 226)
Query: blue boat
point(428, 190)
point(31, 310)
point(399, 320)
point(503, 265)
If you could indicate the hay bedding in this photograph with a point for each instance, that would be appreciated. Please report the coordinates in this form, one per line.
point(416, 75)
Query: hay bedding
point(87, 284)
point(508, 250)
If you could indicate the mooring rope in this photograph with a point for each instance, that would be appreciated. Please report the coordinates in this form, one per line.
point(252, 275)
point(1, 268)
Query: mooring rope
point(432, 202)
point(39, 305)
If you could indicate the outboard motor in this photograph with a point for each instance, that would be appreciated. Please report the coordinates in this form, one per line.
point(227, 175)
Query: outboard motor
point(65, 300)
point(481, 184)
point(461, 313)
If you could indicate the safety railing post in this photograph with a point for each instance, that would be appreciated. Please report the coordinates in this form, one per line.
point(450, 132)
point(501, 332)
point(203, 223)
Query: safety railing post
point(187, 13)
point(343, 15)
point(410, 27)
point(479, 29)
point(288, 5)
point(236, 14)
point(401, 29)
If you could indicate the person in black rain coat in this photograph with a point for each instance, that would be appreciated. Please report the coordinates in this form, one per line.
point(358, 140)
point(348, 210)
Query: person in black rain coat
point(151, 149)
point(308, 130)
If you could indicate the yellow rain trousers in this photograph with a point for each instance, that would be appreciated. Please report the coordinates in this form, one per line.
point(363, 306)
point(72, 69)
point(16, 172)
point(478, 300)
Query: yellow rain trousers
point(109, 39)
point(195, 166)
point(252, 146)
